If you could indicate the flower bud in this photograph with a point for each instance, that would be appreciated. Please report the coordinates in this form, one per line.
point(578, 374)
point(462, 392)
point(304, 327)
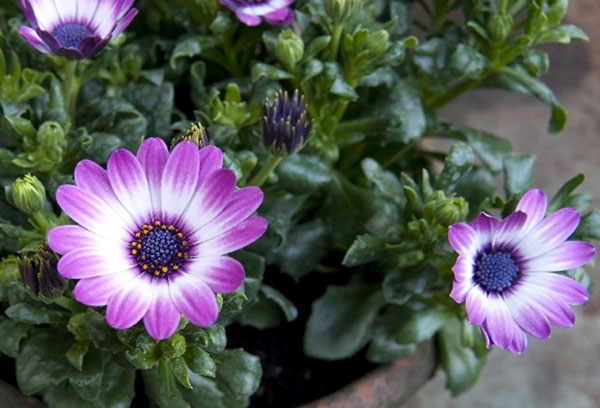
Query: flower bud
point(195, 133)
point(285, 125)
point(51, 135)
point(289, 48)
point(377, 43)
point(9, 271)
point(499, 26)
point(41, 277)
point(28, 194)
point(451, 211)
point(341, 11)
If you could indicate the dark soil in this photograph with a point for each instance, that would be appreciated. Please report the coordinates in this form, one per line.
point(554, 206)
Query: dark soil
point(289, 377)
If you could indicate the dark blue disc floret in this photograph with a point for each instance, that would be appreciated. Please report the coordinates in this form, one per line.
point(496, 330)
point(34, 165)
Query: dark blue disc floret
point(496, 271)
point(285, 125)
point(70, 34)
point(159, 249)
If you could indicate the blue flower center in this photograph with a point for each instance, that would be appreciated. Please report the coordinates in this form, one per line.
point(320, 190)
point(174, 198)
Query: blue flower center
point(70, 34)
point(159, 249)
point(496, 271)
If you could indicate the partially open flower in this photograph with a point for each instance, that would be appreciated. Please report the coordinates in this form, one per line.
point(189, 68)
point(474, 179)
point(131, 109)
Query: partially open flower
point(153, 234)
point(250, 12)
point(504, 271)
point(285, 125)
point(75, 29)
point(41, 277)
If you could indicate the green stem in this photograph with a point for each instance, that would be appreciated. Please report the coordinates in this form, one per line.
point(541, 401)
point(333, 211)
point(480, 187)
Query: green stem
point(40, 222)
point(266, 170)
point(71, 85)
point(335, 41)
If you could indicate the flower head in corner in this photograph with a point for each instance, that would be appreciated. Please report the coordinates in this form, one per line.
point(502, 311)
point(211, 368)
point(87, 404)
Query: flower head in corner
point(250, 12)
point(75, 29)
point(153, 234)
point(504, 272)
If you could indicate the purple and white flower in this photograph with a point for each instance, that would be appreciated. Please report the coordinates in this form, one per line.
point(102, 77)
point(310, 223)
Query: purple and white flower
point(250, 12)
point(504, 272)
point(75, 29)
point(153, 233)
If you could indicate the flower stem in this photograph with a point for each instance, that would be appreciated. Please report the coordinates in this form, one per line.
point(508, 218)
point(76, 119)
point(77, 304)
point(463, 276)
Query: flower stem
point(71, 84)
point(266, 170)
point(335, 41)
point(40, 222)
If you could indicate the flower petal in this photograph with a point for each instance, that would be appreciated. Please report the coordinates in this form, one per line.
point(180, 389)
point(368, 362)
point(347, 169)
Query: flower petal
point(130, 185)
point(527, 315)
point(123, 24)
point(280, 17)
point(509, 231)
point(499, 322)
point(211, 159)
point(557, 311)
point(476, 305)
point(519, 342)
point(153, 155)
point(534, 203)
point(210, 199)
point(34, 39)
point(460, 290)
point(568, 289)
point(91, 212)
point(130, 303)
point(66, 238)
point(549, 233)
point(97, 290)
point(179, 180)
point(105, 17)
point(242, 204)
point(485, 225)
point(162, 318)
point(46, 14)
point(222, 274)
point(463, 268)
point(93, 178)
point(194, 299)
point(89, 262)
point(463, 239)
point(568, 255)
point(248, 19)
point(242, 235)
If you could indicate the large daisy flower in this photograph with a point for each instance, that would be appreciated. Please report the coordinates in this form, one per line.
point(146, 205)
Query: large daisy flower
point(75, 29)
point(504, 271)
point(250, 12)
point(153, 233)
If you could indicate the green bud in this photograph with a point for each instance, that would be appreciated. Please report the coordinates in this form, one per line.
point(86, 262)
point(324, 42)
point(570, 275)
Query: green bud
point(195, 133)
point(341, 11)
point(51, 135)
point(9, 270)
point(377, 43)
point(28, 194)
point(451, 211)
point(174, 346)
point(289, 48)
point(499, 26)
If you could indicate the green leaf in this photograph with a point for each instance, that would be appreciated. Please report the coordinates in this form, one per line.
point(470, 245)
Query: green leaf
point(77, 352)
point(561, 198)
point(187, 47)
point(102, 335)
point(364, 249)
point(589, 227)
point(238, 376)
point(88, 381)
point(518, 173)
point(261, 70)
point(466, 62)
point(458, 162)
point(303, 174)
point(27, 313)
point(12, 334)
point(287, 307)
point(200, 361)
point(342, 88)
point(490, 148)
point(386, 181)
point(316, 46)
point(161, 386)
point(341, 321)
point(42, 362)
point(204, 394)
point(305, 245)
point(117, 385)
point(383, 347)
point(422, 325)
point(180, 371)
point(462, 364)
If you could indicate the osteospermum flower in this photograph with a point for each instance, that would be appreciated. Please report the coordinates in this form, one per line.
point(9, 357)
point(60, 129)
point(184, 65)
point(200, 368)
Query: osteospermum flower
point(250, 12)
point(504, 271)
point(75, 29)
point(153, 233)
